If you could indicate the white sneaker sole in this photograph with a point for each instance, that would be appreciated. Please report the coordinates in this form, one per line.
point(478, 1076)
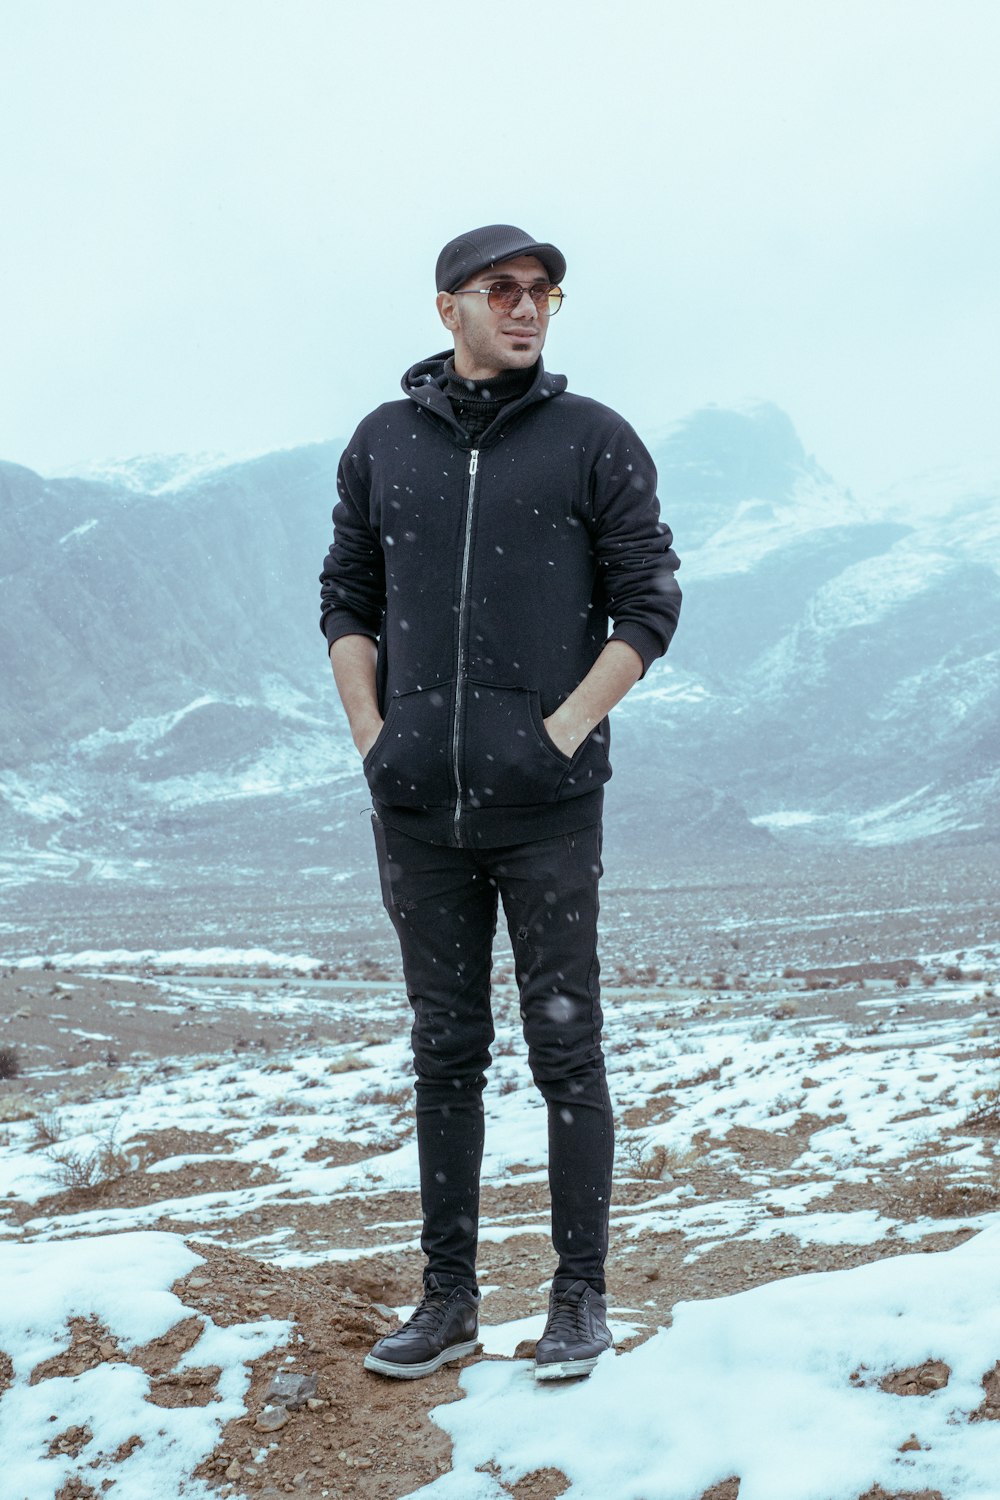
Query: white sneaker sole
point(565, 1369)
point(414, 1372)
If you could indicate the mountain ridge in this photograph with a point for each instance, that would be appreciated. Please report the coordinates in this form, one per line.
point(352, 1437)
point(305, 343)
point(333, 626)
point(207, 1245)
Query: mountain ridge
point(164, 667)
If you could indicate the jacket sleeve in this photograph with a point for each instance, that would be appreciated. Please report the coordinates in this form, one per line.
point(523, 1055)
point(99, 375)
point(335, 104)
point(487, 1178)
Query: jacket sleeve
point(635, 557)
point(352, 583)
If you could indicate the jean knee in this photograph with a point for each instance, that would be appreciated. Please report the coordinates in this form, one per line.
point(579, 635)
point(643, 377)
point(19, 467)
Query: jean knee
point(448, 1050)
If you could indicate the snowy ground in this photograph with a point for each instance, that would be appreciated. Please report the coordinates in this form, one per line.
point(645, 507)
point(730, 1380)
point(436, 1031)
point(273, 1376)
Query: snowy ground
point(806, 1238)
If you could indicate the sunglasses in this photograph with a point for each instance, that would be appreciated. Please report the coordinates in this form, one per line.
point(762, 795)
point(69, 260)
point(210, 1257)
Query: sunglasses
point(504, 296)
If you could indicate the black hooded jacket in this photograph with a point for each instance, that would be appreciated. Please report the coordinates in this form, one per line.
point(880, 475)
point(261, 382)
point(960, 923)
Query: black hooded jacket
point(488, 576)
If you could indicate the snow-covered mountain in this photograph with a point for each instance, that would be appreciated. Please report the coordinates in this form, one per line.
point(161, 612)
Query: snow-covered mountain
point(836, 673)
point(838, 664)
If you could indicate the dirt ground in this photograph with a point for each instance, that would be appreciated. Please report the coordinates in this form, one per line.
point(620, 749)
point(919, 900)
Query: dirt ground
point(77, 1036)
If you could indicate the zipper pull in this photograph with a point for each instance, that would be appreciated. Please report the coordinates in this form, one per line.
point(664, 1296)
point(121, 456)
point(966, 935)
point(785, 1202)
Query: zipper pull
point(473, 461)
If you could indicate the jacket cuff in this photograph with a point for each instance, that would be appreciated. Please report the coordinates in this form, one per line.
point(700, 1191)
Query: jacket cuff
point(337, 623)
point(649, 645)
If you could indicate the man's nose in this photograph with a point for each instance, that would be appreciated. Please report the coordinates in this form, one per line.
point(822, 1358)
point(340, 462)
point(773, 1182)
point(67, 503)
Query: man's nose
point(525, 307)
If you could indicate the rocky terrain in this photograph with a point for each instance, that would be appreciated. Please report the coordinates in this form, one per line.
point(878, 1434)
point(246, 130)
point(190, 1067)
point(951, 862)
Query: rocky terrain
point(779, 1117)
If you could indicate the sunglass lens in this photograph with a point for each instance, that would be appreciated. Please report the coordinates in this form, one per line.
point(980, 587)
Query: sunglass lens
point(504, 296)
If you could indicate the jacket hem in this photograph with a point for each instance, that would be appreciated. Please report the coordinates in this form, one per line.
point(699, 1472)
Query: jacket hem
point(494, 827)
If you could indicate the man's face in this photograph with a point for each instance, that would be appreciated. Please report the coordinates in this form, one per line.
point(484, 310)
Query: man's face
point(487, 342)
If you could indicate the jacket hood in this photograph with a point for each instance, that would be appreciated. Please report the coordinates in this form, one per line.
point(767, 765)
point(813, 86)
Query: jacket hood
point(425, 382)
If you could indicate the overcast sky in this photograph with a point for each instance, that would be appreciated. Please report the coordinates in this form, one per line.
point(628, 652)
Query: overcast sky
point(220, 217)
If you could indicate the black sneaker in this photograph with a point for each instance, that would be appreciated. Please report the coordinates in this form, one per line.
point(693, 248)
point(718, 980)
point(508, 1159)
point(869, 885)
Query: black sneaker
point(444, 1326)
point(576, 1333)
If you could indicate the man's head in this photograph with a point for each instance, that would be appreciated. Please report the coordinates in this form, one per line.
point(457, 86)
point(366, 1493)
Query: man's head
point(494, 333)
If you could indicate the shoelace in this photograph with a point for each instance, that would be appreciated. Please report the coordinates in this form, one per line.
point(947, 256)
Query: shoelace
point(429, 1310)
point(564, 1319)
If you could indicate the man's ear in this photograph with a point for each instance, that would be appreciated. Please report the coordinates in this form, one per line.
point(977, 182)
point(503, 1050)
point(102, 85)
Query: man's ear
point(447, 307)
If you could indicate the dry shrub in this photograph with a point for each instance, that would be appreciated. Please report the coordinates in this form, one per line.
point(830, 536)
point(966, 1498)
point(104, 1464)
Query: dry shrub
point(931, 1194)
point(92, 1171)
point(349, 1063)
point(985, 1113)
point(48, 1131)
point(655, 1163)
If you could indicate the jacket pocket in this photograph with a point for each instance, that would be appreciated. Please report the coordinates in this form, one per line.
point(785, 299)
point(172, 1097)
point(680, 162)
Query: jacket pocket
point(509, 759)
point(408, 765)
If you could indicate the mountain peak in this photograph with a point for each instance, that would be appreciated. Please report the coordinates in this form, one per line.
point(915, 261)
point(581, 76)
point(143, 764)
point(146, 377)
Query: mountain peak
point(719, 463)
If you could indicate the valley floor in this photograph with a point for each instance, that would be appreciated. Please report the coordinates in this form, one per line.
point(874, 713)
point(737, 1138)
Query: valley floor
point(208, 1173)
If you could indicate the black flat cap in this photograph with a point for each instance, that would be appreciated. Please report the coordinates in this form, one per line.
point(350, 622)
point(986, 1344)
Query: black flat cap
point(478, 249)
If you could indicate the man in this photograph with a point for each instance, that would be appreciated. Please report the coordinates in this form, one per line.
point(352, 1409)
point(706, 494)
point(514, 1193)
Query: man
point(488, 526)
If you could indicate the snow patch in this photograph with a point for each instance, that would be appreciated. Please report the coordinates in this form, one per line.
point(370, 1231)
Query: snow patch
point(909, 818)
point(787, 819)
point(193, 958)
point(697, 1403)
point(124, 1281)
point(34, 802)
point(77, 531)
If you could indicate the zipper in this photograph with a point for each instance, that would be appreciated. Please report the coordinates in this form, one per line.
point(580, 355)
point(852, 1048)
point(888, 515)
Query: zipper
point(463, 644)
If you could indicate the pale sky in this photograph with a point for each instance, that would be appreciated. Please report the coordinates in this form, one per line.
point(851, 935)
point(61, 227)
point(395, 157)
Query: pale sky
point(220, 217)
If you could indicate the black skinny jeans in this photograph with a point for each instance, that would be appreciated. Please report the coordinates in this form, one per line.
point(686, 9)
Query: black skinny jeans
point(443, 903)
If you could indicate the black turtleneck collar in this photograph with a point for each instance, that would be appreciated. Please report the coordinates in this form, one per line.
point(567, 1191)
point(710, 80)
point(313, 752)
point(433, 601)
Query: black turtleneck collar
point(477, 403)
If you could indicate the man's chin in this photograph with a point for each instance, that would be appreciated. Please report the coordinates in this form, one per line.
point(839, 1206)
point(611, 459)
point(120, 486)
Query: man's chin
point(518, 356)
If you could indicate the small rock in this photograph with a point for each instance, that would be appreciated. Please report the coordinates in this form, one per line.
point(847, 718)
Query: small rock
point(290, 1389)
point(653, 1274)
point(234, 1471)
point(197, 1281)
point(912, 1444)
point(524, 1350)
point(316, 1403)
point(271, 1419)
point(388, 1313)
